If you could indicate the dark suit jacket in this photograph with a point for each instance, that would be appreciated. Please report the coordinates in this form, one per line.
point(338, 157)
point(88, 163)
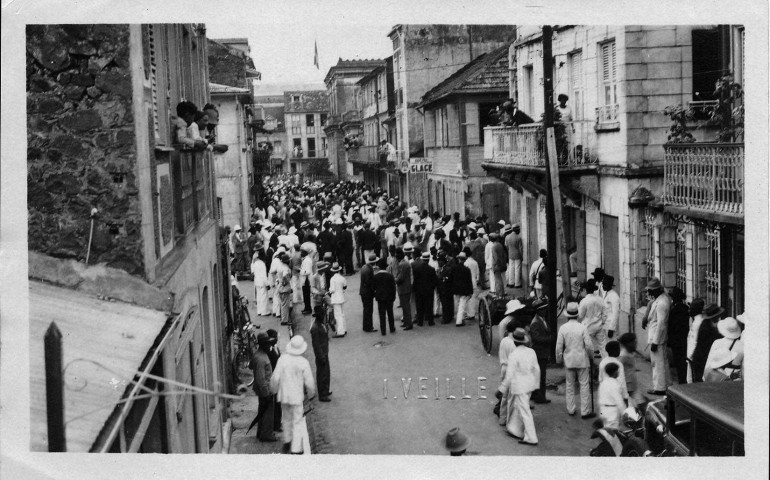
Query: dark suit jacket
point(320, 339)
point(424, 278)
point(404, 277)
point(462, 282)
point(260, 365)
point(345, 241)
point(384, 286)
point(326, 242)
point(366, 288)
point(541, 337)
point(369, 240)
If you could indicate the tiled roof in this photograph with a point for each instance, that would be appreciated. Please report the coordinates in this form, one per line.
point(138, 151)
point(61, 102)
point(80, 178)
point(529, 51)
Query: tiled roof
point(487, 73)
point(310, 101)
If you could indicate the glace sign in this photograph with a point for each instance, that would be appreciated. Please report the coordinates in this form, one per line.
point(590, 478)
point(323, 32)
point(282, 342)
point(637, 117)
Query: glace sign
point(420, 165)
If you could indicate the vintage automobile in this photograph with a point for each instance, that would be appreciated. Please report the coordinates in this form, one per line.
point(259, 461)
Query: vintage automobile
point(703, 419)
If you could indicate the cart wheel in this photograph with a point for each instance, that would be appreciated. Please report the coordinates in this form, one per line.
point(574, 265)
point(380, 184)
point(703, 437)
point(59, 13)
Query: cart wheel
point(485, 323)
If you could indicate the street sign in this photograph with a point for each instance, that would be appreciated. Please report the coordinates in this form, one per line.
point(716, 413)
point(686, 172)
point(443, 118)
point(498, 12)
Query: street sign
point(420, 165)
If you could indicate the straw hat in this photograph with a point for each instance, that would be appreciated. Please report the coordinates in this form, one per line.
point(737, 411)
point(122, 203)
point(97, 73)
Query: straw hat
point(321, 266)
point(729, 328)
point(335, 268)
point(456, 441)
point(425, 255)
point(372, 259)
point(653, 284)
point(572, 310)
point(520, 336)
point(296, 346)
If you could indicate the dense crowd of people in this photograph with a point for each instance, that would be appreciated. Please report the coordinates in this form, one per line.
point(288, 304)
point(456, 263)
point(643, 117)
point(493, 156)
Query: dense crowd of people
point(304, 239)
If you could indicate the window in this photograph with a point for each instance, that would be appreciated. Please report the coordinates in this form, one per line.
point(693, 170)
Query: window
point(293, 167)
point(528, 100)
point(311, 147)
point(609, 73)
point(295, 98)
point(310, 120)
point(706, 63)
point(485, 119)
point(157, 46)
point(277, 147)
point(324, 146)
point(576, 84)
point(324, 119)
point(681, 256)
point(296, 125)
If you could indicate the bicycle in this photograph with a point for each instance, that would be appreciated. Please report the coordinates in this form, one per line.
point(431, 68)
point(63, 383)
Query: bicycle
point(244, 338)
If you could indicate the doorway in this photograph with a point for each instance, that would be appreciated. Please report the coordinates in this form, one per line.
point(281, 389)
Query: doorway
point(610, 249)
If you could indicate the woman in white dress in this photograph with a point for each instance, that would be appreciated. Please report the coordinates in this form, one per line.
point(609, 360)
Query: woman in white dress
point(261, 282)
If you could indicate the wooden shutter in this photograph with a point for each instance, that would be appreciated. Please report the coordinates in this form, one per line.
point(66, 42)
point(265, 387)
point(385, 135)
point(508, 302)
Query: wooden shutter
point(429, 127)
point(668, 255)
point(158, 73)
point(453, 124)
point(472, 133)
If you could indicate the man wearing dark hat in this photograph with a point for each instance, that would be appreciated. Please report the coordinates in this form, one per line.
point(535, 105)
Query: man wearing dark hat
point(656, 319)
point(598, 275)
point(707, 334)
point(444, 274)
point(611, 309)
point(678, 327)
point(274, 354)
point(462, 288)
point(263, 371)
point(456, 442)
point(521, 379)
point(366, 291)
point(402, 272)
point(424, 284)
point(385, 293)
point(320, 340)
point(541, 343)
point(346, 248)
point(499, 263)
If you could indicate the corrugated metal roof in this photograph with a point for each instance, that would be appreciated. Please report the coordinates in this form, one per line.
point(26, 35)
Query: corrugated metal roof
point(219, 88)
point(488, 72)
point(114, 334)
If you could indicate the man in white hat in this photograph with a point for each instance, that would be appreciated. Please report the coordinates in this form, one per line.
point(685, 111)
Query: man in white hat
point(292, 380)
point(521, 379)
point(275, 272)
point(510, 308)
point(503, 352)
point(337, 287)
point(572, 347)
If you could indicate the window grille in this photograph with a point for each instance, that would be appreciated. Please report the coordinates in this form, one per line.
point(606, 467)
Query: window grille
point(712, 266)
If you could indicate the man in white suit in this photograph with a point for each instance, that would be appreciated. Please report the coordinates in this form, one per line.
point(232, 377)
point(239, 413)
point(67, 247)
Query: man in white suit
point(656, 323)
point(522, 377)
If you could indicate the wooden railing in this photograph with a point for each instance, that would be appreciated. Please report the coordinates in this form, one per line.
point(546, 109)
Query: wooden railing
point(525, 145)
point(705, 176)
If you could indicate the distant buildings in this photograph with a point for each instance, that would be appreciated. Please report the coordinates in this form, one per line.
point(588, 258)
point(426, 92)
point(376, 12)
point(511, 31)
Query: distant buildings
point(305, 115)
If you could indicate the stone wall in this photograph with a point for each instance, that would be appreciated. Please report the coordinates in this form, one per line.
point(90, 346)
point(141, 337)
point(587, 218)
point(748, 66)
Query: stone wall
point(80, 151)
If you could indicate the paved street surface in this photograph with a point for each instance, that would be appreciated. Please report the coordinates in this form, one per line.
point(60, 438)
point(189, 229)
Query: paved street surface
point(359, 420)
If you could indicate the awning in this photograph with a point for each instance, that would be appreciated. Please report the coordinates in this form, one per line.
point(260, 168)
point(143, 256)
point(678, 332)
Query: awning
point(117, 335)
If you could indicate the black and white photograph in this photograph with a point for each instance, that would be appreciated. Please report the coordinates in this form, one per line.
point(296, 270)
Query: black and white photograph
point(373, 239)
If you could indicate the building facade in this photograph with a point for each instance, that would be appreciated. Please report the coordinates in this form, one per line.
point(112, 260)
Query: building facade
point(344, 113)
point(101, 136)
point(611, 155)
point(305, 115)
point(424, 56)
point(455, 113)
point(269, 108)
point(377, 107)
point(234, 169)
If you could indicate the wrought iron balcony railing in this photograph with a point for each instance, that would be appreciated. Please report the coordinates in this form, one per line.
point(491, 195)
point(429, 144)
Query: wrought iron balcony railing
point(525, 145)
point(705, 176)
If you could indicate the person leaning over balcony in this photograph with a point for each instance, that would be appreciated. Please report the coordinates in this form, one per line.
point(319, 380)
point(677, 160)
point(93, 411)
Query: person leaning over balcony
point(185, 118)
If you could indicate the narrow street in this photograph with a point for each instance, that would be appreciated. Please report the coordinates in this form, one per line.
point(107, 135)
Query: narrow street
point(360, 420)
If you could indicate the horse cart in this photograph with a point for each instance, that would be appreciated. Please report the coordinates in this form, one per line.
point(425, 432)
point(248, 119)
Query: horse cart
point(492, 311)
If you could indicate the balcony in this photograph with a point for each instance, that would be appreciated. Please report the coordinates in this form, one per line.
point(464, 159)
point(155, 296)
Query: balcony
point(705, 180)
point(607, 118)
point(524, 146)
point(364, 155)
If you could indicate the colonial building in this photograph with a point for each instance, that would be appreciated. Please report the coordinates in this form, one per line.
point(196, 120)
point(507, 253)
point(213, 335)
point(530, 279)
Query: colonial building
point(269, 108)
point(234, 169)
point(455, 113)
point(123, 244)
point(611, 156)
point(305, 114)
point(424, 56)
point(344, 114)
point(377, 106)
